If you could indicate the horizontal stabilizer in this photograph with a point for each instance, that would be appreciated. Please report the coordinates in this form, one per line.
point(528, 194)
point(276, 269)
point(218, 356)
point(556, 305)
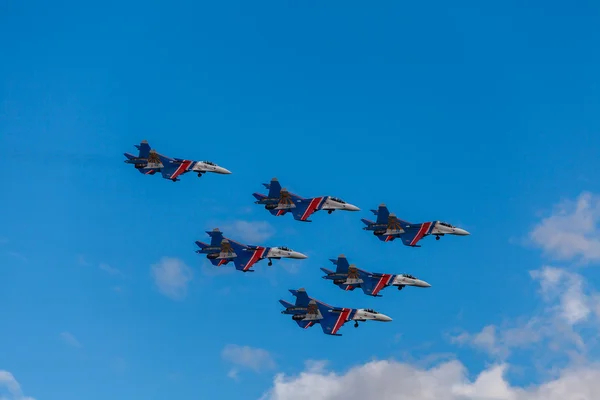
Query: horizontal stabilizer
point(286, 304)
point(259, 196)
point(327, 271)
point(367, 222)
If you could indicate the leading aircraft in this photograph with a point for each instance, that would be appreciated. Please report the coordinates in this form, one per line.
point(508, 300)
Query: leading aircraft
point(222, 250)
point(149, 162)
point(388, 227)
point(308, 311)
point(279, 202)
point(347, 277)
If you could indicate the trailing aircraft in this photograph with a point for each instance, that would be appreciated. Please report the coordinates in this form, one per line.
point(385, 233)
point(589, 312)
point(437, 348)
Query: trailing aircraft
point(149, 162)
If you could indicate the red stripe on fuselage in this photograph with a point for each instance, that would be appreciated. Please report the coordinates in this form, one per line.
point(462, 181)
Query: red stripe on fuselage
point(181, 169)
point(311, 323)
point(280, 213)
point(383, 282)
point(258, 254)
point(422, 231)
point(341, 320)
point(314, 203)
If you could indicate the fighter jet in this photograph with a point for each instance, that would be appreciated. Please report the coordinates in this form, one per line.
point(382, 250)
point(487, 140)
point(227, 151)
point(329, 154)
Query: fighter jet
point(279, 201)
point(347, 277)
point(308, 311)
point(222, 250)
point(388, 227)
point(149, 162)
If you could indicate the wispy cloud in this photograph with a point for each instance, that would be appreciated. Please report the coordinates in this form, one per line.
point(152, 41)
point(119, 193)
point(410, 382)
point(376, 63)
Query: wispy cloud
point(110, 270)
point(10, 387)
point(69, 339)
point(571, 232)
point(172, 277)
point(569, 308)
point(252, 232)
point(246, 357)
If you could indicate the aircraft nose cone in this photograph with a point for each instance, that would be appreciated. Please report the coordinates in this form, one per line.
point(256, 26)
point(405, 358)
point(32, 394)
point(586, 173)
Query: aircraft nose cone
point(298, 255)
point(352, 207)
point(421, 283)
point(383, 318)
point(461, 232)
point(222, 170)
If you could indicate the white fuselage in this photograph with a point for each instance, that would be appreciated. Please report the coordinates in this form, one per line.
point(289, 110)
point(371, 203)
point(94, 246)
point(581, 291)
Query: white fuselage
point(441, 229)
point(201, 166)
point(402, 280)
point(276, 252)
point(331, 205)
point(364, 315)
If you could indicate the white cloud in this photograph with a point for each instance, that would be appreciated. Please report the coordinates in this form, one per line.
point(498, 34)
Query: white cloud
point(572, 231)
point(247, 357)
point(447, 381)
point(10, 389)
point(172, 277)
point(569, 307)
point(110, 270)
point(568, 289)
point(70, 339)
point(251, 232)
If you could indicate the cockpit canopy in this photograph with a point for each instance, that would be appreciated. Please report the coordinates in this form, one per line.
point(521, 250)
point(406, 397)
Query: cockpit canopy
point(409, 276)
point(338, 200)
point(285, 248)
point(371, 311)
point(446, 224)
point(209, 163)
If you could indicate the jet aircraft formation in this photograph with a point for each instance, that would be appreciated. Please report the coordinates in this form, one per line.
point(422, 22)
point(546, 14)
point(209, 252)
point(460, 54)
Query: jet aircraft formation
point(306, 311)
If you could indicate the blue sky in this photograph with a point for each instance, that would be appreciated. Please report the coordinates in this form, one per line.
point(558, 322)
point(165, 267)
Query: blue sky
point(485, 116)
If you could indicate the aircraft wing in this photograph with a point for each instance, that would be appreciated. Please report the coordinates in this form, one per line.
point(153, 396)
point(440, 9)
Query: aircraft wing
point(414, 233)
point(334, 318)
point(373, 284)
point(305, 208)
